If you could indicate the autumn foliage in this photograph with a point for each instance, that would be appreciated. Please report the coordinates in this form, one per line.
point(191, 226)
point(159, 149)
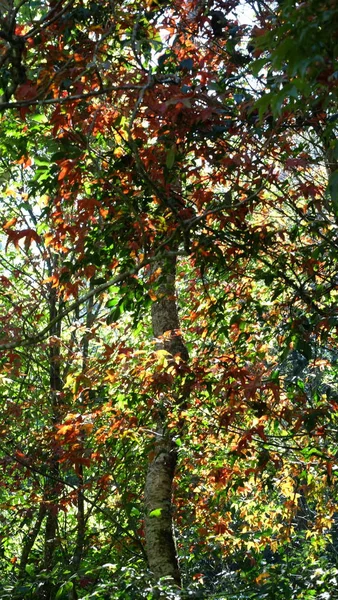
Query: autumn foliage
point(153, 155)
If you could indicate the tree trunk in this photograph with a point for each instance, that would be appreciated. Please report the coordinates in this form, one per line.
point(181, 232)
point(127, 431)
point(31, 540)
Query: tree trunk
point(52, 490)
point(30, 540)
point(81, 517)
point(160, 541)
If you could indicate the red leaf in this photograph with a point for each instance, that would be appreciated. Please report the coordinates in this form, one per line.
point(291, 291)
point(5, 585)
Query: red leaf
point(26, 91)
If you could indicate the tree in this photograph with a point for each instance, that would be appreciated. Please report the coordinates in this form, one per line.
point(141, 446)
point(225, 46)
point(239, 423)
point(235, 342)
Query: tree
point(168, 279)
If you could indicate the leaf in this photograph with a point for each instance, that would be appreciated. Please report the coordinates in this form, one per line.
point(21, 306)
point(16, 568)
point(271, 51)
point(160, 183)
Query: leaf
point(257, 65)
point(112, 302)
point(263, 105)
point(335, 151)
point(162, 353)
point(308, 452)
point(262, 577)
point(156, 512)
point(26, 91)
point(30, 570)
point(63, 591)
point(277, 101)
point(65, 429)
point(10, 223)
point(152, 295)
point(29, 235)
point(118, 308)
point(333, 190)
point(114, 289)
point(39, 118)
point(170, 159)
point(275, 375)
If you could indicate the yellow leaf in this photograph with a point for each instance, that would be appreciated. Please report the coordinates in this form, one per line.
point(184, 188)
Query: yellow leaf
point(262, 577)
point(118, 152)
point(162, 353)
point(69, 381)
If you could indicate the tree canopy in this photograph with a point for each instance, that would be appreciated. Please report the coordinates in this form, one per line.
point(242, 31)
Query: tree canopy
point(168, 299)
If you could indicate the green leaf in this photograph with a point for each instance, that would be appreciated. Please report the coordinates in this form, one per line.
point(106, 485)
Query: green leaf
point(263, 104)
point(30, 570)
point(277, 102)
point(335, 151)
point(112, 302)
point(64, 589)
point(114, 289)
point(274, 375)
point(307, 452)
point(115, 314)
point(156, 512)
point(257, 65)
point(333, 190)
point(171, 154)
point(39, 118)
point(135, 512)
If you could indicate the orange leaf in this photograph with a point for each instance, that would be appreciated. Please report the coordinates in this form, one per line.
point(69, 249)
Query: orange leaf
point(10, 223)
point(66, 167)
point(25, 161)
point(87, 427)
point(64, 429)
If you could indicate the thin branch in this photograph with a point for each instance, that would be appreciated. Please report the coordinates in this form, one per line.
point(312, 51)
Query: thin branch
point(39, 471)
point(65, 99)
point(48, 19)
point(40, 336)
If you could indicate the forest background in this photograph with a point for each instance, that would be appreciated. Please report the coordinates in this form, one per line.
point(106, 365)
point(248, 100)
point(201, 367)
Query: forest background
point(168, 299)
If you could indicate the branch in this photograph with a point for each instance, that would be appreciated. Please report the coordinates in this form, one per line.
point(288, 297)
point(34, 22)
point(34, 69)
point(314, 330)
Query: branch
point(39, 471)
point(65, 99)
point(29, 341)
point(48, 19)
point(39, 337)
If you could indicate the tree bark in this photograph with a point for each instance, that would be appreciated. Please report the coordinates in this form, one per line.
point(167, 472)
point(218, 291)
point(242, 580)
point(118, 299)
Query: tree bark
point(30, 540)
point(160, 540)
point(52, 489)
point(81, 517)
